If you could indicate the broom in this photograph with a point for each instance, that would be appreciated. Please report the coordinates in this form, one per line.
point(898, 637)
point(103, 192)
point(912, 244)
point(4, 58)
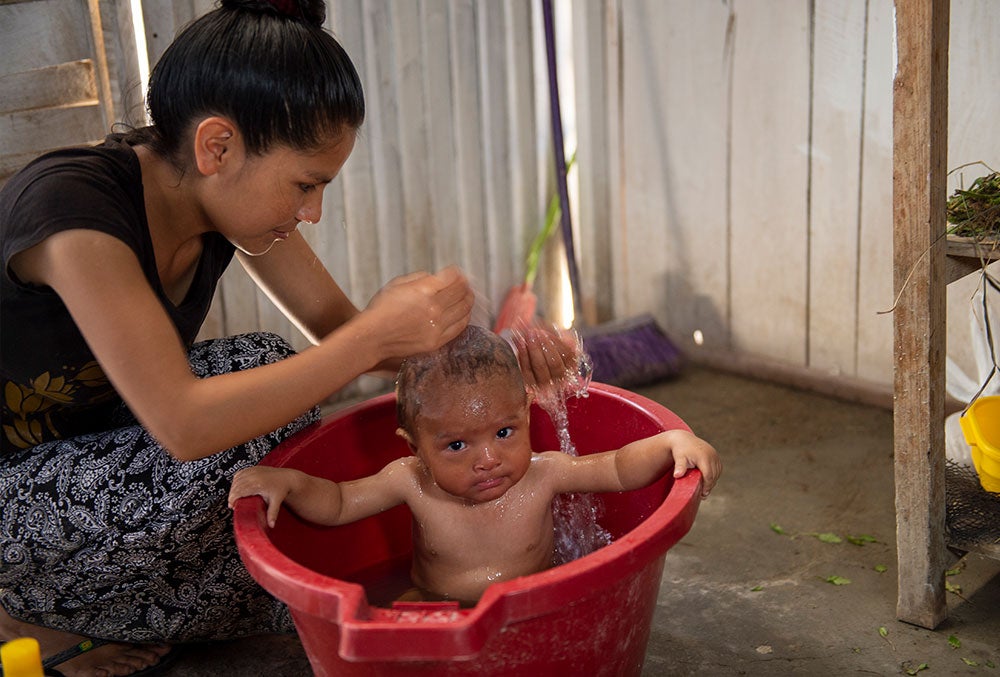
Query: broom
point(629, 352)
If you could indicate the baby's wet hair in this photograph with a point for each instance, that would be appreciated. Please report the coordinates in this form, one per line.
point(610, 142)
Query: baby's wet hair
point(474, 354)
point(270, 66)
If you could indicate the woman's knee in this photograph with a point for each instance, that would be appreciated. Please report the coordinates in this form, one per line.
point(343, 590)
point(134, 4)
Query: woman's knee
point(238, 353)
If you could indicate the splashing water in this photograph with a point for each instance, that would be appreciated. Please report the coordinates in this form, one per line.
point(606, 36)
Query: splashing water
point(577, 532)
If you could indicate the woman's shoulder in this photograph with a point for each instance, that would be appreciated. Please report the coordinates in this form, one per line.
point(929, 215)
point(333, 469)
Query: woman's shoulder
point(70, 178)
point(81, 187)
point(113, 157)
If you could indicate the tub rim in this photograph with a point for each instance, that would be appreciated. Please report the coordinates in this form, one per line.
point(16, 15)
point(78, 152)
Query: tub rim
point(462, 635)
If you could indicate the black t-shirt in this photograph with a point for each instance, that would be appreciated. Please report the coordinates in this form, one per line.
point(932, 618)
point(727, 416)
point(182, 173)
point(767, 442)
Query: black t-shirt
point(53, 387)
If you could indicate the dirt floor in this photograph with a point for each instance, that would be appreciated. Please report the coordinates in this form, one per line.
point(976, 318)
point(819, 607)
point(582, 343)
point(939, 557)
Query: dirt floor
point(748, 591)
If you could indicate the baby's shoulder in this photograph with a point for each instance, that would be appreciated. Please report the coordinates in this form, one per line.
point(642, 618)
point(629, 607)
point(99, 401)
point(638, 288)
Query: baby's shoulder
point(545, 464)
point(407, 469)
point(545, 459)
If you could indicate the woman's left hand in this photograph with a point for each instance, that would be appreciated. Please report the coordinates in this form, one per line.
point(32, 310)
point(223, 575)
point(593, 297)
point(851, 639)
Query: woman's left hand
point(547, 355)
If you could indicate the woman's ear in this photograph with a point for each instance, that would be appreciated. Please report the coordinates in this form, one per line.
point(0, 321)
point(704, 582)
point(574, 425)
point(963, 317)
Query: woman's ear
point(215, 140)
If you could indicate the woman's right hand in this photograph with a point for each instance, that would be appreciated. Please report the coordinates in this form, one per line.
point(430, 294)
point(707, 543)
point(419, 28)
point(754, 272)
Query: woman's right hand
point(420, 312)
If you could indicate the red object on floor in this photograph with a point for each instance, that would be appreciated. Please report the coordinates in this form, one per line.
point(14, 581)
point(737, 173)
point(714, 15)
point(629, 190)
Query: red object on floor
point(589, 616)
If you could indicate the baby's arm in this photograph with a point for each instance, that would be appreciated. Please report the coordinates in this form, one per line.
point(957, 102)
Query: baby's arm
point(637, 464)
point(320, 500)
point(643, 461)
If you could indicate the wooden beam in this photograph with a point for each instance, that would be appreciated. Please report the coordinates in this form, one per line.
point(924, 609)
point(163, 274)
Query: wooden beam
point(65, 84)
point(920, 130)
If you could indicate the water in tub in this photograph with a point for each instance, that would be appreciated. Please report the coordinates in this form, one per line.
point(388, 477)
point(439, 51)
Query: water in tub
point(577, 531)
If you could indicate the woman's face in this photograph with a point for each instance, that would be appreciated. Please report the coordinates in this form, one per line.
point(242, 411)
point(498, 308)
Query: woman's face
point(266, 198)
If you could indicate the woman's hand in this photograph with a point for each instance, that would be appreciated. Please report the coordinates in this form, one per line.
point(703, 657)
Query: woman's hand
point(420, 312)
point(549, 357)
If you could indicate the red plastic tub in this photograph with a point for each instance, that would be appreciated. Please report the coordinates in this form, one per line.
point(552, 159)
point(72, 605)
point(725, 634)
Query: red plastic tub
point(590, 616)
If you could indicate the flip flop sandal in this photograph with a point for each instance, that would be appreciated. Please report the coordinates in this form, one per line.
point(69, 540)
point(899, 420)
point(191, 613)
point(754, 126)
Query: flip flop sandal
point(50, 663)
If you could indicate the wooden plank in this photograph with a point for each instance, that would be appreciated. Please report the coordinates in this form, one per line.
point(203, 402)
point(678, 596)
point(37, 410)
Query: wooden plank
point(100, 57)
point(43, 33)
point(468, 158)
point(615, 112)
point(65, 84)
point(593, 215)
point(967, 255)
point(416, 223)
point(238, 295)
point(383, 135)
point(164, 20)
point(920, 124)
point(495, 132)
point(329, 236)
point(770, 133)
point(835, 165)
point(873, 343)
point(35, 131)
point(527, 201)
point(364, 278)
point(121, 51)
point(443, 179)
point(676, 109)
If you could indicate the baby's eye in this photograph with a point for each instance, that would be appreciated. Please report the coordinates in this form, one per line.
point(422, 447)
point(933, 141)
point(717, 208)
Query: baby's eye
point(307, 187)
point(457, 445)
point(504, 433)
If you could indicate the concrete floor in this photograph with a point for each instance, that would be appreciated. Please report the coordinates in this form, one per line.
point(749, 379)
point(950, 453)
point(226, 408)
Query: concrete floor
point(738, 598)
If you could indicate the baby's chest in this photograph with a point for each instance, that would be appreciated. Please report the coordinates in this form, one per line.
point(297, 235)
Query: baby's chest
point(469, 534)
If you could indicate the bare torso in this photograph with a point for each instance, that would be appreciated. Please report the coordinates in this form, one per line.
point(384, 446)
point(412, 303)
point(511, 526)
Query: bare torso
point(460, 548)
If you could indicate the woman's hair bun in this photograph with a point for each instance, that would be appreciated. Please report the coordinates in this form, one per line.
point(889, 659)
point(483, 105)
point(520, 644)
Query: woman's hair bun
point(310, 11)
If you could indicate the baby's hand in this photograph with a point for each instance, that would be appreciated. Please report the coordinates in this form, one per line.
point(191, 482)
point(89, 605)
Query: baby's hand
point(271, 484)
point(693, 452)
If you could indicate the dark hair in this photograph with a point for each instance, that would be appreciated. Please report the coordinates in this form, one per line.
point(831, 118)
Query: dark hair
point(474, 354)
point(271, 67)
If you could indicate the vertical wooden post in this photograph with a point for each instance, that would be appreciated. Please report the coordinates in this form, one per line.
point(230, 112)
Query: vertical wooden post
point(920, 141)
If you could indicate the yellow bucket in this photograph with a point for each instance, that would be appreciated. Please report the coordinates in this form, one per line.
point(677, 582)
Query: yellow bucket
point(981, 426)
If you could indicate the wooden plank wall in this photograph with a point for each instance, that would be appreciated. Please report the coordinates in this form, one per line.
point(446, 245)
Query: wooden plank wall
point(757, 161)
point(50, 80)
point(734, 166)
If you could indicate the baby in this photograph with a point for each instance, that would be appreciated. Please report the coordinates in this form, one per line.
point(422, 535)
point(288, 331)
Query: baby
point(481, 499)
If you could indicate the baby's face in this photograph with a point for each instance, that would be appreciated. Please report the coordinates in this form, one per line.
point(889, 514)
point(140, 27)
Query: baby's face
point(474, 438)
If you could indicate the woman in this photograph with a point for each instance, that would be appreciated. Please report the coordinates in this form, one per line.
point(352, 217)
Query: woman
point(120, 434)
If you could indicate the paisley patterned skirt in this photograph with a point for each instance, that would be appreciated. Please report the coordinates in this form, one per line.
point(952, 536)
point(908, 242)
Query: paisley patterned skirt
point(105, 535)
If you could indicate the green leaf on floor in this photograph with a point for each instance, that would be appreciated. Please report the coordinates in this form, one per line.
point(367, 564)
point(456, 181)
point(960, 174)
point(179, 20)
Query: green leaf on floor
point(777, 529)
point(951, 587)
point(971, 663)
point(881, 568)
point(862, 539)
point(838, 580)
point(757, 588)
point(955, 642)
point(883, 631)
point(828, 537)
point(953, 572)
point(913, 671)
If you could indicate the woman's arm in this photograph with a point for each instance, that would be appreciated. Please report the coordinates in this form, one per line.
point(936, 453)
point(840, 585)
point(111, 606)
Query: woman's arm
point(299, 284)
point(99, 279)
